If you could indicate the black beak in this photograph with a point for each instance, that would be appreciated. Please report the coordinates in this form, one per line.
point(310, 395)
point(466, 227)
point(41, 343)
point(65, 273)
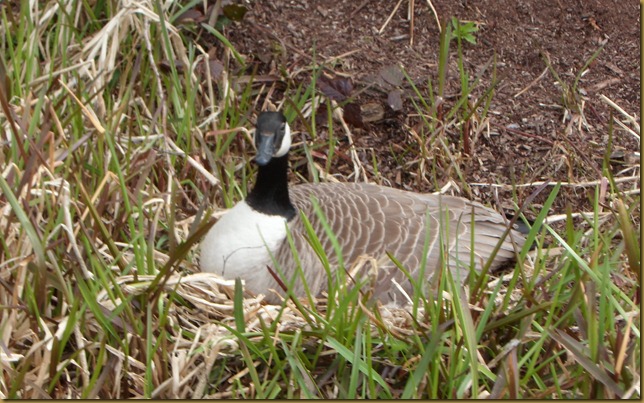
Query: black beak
point(265, 143)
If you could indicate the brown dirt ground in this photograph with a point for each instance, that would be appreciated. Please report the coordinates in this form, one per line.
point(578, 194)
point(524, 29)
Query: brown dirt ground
point(529, 137)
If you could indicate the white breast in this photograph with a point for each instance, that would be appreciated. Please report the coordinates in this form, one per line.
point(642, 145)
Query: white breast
point(240, 241)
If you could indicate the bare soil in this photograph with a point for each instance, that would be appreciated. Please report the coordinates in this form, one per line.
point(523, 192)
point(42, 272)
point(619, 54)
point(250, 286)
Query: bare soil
point(528, 137)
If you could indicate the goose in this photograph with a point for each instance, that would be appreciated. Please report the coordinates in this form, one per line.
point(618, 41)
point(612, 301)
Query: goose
point(368, 220)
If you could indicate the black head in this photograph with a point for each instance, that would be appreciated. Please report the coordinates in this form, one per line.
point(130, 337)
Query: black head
point(272, 137)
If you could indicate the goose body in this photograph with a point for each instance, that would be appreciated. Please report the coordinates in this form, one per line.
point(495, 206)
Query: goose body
point(368, 221)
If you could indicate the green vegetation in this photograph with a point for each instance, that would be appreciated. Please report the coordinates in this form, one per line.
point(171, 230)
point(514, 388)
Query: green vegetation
point(464, 31)
point(123, 136)
point(571, 98)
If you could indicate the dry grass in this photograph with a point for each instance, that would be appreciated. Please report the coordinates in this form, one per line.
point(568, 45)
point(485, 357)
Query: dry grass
point(120, 130)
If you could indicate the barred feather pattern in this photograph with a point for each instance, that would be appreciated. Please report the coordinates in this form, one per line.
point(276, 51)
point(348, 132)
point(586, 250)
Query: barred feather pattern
point(370, 221)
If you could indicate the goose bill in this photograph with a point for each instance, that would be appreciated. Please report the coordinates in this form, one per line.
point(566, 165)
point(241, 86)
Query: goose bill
point(265, 148)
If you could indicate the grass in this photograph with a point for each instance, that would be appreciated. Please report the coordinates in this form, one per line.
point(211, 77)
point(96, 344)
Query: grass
point(121, 143)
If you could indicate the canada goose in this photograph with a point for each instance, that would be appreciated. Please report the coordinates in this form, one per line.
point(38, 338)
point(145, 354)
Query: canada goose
point(368, 220)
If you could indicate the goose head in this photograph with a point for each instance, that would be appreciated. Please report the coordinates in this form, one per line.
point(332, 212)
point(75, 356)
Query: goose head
point(272, 137)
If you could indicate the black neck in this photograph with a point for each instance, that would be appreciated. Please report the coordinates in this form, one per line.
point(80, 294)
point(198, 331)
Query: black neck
point(270, 194)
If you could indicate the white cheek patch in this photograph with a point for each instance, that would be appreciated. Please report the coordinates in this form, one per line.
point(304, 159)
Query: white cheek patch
point(286, 142)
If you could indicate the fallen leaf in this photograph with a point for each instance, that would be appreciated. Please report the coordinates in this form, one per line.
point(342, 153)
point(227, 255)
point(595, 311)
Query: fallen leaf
point(392, 75)
point(394, 99)
point(190, 16)
point(166, 66)
point(352, 115)
point(216, 69)
point(337, 88)
point(235, 12)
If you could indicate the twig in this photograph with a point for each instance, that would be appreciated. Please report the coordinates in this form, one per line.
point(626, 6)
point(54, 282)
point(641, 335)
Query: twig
point(357, 167)
point(410, 16)
point(588, 215)
point(360, 7)
point(532, 83)
point(438, 23)
point(389, 18)
point(626, 115)
point(191, 161)
point(524, 134)
point(553, 183)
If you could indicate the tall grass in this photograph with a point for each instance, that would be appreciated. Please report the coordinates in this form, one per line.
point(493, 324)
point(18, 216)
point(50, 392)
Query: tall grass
point(122, 143)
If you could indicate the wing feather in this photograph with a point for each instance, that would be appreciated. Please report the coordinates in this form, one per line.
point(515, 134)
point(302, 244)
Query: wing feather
point(370, 220)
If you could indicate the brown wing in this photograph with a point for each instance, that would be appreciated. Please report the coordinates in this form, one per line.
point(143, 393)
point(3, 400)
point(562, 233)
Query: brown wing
point(370, 220)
